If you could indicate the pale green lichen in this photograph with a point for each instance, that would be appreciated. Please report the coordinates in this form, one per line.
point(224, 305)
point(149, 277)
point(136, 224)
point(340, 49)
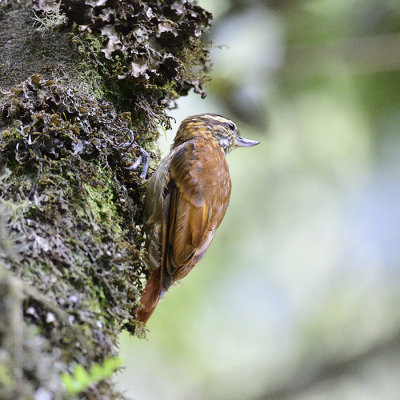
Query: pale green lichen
point(50, 20)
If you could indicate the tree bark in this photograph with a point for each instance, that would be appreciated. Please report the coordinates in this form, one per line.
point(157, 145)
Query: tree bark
point(83, 87)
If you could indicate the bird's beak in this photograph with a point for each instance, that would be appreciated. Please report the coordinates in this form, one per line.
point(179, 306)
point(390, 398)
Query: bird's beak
point(244, 142)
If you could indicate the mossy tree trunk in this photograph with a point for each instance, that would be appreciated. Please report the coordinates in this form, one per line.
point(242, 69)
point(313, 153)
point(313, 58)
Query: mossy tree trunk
point(78, 80)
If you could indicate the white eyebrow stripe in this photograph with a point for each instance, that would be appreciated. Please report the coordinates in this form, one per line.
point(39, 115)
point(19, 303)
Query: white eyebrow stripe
point(219, 119)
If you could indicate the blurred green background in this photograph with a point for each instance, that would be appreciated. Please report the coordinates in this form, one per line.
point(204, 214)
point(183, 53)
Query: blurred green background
point(298, 296)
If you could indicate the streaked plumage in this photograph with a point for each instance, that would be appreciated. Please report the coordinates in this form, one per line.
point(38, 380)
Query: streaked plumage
point(186, 200)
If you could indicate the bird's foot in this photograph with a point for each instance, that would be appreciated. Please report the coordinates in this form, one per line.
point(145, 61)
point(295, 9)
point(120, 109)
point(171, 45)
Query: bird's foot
point(144, 158)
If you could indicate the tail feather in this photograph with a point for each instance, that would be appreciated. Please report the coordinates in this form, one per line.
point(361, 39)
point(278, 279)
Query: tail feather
point(150, 296)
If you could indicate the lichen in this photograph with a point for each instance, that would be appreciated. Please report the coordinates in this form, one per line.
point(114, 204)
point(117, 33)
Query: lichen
point(51, 21)
point(147, 53)
point(73, 211)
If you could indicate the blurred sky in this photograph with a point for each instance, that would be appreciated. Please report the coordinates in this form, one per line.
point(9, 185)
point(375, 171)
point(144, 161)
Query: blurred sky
point(303, 271)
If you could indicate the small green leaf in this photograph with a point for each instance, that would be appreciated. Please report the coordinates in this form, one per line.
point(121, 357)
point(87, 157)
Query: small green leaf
point(81, 379)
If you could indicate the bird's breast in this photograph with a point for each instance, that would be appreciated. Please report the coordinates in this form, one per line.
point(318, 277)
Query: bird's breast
point(202, 173)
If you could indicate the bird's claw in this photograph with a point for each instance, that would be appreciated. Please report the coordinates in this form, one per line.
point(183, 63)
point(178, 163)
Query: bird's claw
point(144, 158)
point(135, 164)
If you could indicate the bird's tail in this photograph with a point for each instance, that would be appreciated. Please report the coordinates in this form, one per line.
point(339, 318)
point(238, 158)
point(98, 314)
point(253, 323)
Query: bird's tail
point(150, 297)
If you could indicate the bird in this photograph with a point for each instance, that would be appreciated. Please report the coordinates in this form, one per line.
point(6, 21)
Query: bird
point(185, 201)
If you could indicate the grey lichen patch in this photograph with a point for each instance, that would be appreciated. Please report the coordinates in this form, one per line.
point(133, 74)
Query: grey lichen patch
point(72, 213)
point(24, 52)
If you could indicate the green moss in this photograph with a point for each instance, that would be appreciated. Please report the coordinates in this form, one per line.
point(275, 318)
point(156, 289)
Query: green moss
point(102, 206)
point(6, 379)
point(90, 79)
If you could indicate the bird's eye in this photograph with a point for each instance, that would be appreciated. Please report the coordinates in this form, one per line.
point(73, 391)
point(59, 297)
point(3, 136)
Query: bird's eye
point(231, 126)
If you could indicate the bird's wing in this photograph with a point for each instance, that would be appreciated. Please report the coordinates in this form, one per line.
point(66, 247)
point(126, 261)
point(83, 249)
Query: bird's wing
point(196, 198)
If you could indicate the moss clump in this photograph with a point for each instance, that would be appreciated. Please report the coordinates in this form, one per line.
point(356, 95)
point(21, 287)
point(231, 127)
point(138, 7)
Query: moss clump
point(101, 202)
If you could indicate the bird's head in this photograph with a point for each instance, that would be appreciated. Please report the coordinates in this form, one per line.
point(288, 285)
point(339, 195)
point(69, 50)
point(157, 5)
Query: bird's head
point(215, 127)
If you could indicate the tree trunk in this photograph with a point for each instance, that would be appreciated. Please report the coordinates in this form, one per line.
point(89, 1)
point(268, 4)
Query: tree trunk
point(84, 85)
